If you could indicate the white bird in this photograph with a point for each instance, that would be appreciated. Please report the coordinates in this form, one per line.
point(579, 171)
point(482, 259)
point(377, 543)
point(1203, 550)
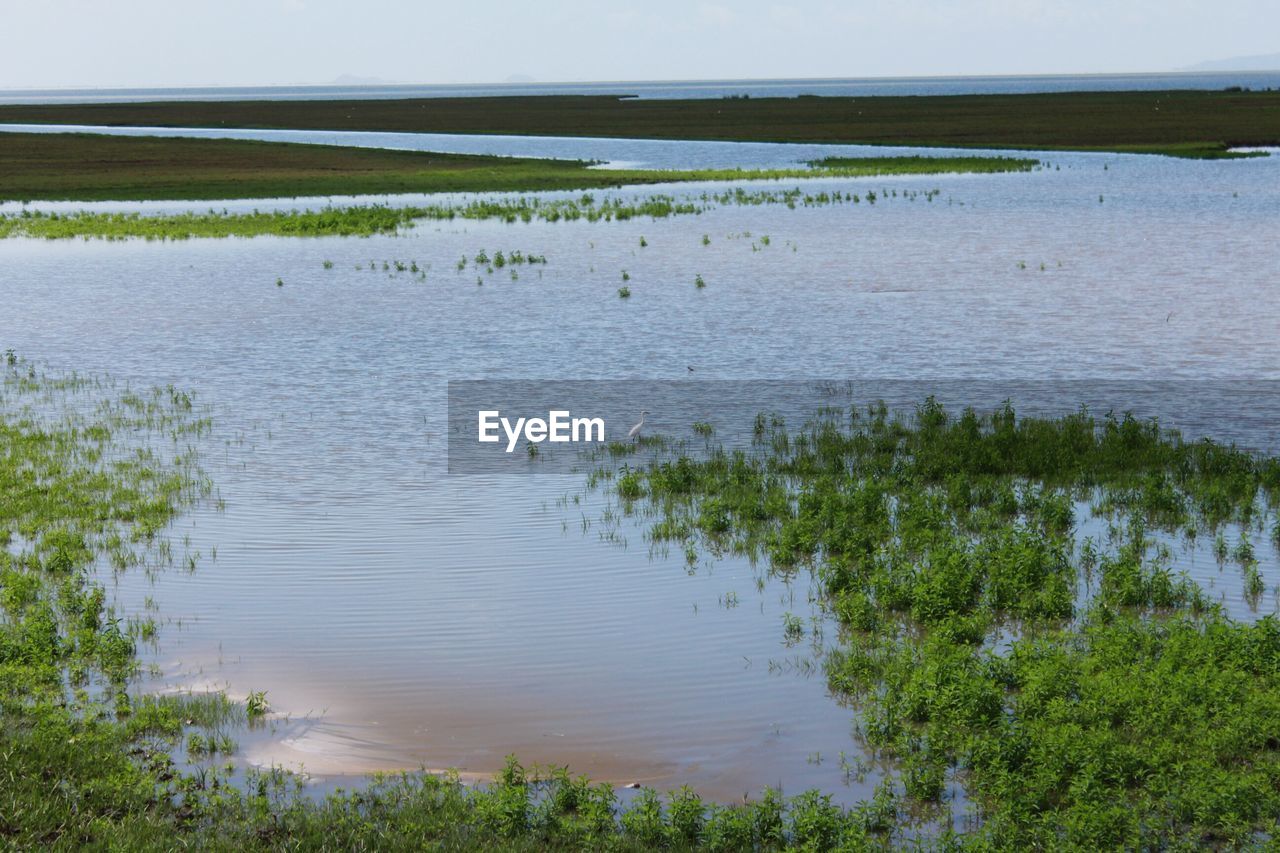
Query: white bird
point(635, 430)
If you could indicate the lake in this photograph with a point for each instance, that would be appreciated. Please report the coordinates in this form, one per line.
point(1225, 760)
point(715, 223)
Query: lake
point(403, 617)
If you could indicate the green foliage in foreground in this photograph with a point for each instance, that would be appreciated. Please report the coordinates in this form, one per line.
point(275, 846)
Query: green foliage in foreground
point(1085, 694)
point(367, 220)
point(1134, 715)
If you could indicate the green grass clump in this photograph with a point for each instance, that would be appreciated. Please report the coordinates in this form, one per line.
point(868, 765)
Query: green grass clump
point(79, 490)
point(1086, 695)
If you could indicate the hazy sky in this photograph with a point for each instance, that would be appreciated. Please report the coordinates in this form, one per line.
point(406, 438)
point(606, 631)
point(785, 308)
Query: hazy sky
point(187, 42)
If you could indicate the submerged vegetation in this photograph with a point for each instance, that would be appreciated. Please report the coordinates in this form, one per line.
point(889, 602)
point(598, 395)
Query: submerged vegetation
point(91, 167)
point(1083, 692)
point(367, 220)
point(482, 262)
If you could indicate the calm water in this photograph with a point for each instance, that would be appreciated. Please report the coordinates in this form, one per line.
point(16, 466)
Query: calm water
point(677, 88)
point(406, 617)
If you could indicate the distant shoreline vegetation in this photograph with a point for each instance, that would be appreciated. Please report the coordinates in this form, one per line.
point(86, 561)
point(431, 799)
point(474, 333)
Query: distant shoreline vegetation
point(1179, 123)
point(370, 219)
point(99, 167)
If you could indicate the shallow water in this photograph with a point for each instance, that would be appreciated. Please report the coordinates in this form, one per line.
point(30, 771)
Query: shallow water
point(403, 617)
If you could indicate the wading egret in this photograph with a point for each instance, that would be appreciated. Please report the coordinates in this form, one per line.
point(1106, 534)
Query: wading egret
point(635, 430)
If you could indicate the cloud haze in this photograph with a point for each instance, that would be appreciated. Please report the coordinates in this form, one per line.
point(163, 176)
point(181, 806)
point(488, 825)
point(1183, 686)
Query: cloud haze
point(253, 42)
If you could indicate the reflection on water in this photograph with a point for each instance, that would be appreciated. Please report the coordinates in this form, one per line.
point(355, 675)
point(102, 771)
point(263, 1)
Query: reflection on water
point(423, 619)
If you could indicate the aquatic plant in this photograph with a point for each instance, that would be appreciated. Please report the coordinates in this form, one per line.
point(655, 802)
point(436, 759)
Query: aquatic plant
point(944, 544)
point(624, 292)
point(792, 628)
point(256, 704)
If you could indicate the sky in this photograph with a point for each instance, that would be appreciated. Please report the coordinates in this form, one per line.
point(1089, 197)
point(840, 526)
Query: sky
point(140, 43)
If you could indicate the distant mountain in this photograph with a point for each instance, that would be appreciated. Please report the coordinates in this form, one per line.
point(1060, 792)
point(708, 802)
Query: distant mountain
point(356, 80)
point(1259, 62)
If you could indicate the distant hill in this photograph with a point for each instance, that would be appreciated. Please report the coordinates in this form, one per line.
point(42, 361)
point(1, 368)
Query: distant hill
point(1258, 62)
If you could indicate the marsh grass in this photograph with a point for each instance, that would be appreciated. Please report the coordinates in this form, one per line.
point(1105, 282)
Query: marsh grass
point(368, 220)
point(920, 165)
point(1087, 694)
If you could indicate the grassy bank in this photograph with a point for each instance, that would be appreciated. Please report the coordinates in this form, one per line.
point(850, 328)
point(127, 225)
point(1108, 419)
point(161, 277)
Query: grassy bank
point(92, 167)
point(1084, 692)
point(1178, 123)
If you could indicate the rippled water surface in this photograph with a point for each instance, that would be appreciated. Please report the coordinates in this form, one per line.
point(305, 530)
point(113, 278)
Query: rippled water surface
point(404, 617)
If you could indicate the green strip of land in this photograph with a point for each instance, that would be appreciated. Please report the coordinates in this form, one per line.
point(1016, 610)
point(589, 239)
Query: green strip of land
point(365, 220)
point(1180, 123)
point(88, 167)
